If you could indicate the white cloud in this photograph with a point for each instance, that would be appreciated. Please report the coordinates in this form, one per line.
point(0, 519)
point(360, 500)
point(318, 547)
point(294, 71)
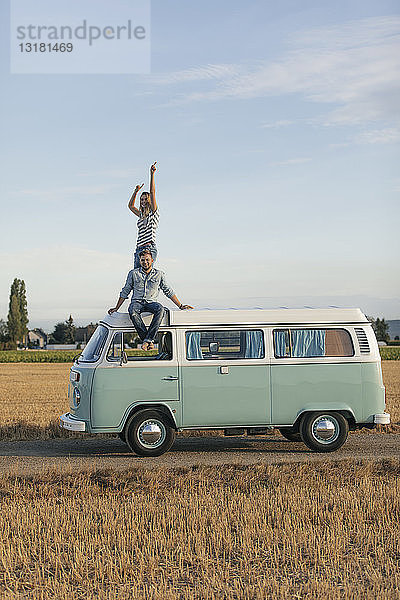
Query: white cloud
point(355, 66)
point(291, 161)
point(278, 124)
point(379, 136)
point(352, 34)
point(203, 73)
point(385, 135)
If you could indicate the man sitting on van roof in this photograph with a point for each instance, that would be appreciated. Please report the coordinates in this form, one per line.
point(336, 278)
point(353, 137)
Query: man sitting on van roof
point(146, 283)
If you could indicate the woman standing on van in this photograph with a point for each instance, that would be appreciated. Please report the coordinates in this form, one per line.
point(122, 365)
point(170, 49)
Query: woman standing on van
point(148, 219)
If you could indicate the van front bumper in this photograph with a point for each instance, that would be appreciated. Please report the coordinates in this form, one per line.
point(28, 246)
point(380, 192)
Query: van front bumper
point(382, 419)
point(67, 421)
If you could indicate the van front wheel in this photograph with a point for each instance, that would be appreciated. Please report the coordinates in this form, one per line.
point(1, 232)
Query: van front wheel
point(324, 431)
point(149, 433)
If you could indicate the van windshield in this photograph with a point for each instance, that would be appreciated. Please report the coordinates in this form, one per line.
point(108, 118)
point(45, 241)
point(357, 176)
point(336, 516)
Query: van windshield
point(95, 345)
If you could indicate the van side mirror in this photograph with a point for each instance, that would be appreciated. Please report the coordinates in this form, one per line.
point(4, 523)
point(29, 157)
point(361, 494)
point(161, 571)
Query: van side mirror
point(213, 347)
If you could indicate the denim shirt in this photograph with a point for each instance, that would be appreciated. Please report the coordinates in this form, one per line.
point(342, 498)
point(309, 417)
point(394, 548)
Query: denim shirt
point(146, 286)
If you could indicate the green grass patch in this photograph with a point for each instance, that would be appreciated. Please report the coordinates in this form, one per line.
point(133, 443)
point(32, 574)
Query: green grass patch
point(389, 353)
point(52, 356)
point(42, 356)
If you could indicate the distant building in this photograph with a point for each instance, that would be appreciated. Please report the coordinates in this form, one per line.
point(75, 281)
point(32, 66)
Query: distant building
point(83, 334)
point(37, 337)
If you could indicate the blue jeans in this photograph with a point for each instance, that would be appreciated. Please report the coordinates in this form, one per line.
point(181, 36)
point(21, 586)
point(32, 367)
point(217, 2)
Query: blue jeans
point(136, 257)
point(135, 309)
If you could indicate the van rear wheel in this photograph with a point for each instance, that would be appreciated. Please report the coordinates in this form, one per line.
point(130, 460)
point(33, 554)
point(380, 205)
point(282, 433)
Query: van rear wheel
point(149, 433)
point(324, 431)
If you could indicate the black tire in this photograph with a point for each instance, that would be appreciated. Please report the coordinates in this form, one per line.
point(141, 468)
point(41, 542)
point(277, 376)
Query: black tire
point(324, 431)
point(290, 434)
point(153, 425)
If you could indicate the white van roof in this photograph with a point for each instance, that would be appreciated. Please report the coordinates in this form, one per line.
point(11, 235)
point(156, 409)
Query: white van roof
point(260, 316)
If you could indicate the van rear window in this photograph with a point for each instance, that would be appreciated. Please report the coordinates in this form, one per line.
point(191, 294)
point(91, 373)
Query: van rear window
point(309, 343)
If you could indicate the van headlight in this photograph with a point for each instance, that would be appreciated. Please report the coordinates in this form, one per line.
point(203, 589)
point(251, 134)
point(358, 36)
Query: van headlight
point(77, 396)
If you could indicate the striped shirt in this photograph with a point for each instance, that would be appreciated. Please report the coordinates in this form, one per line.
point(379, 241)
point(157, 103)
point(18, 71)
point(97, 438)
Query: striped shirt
point(147, 228)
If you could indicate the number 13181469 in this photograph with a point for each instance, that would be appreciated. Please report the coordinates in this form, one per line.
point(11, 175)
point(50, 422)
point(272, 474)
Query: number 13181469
point(43, 47)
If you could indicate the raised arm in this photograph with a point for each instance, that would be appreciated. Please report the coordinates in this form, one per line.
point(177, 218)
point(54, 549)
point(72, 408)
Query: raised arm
point(131, 203)
point(153, 202)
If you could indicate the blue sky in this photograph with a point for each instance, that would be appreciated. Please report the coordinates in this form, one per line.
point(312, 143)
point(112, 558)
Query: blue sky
point(276, 131)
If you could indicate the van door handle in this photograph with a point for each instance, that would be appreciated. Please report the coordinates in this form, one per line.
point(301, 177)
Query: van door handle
point(170, 378)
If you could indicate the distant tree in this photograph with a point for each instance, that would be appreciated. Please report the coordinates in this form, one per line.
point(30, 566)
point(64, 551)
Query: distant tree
point(23, 304)
point(14, 323)
point(60, 334)
point(396, 337)
point(17, 320)
point(382, 330)
point(70, 330)
point(64, 333)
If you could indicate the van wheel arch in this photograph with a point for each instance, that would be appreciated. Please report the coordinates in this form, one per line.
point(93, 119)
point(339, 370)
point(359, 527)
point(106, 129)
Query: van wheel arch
point(158, 407)
point(348, 415)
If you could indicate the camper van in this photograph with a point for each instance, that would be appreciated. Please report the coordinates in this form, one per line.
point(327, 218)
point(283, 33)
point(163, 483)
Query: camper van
point(314, 374)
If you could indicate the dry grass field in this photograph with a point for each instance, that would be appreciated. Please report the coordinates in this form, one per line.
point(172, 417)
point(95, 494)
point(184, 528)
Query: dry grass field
point(304, 531)
point(313, 531)
point(391, 378)
point(34, 395)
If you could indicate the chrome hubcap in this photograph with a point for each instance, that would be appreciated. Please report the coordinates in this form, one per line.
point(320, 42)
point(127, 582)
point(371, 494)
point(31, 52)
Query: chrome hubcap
point(325, 429)
point(152, 433)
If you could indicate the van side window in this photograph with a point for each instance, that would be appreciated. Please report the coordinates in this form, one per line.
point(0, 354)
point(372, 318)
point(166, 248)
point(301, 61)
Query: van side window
point(131, 344)
point(308, 343)
point(115, 349)
point(226, 345)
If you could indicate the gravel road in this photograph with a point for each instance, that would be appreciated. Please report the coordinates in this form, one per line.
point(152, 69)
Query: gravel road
point(28, 457)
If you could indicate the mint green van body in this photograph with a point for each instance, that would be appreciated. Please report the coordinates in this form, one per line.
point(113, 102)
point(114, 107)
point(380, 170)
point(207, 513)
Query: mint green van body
point(312, 373)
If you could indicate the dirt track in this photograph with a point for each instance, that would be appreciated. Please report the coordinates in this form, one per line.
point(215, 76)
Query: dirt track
point(101, 453)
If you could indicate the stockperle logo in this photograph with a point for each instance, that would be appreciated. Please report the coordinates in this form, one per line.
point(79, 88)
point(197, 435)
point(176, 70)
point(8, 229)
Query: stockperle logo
point(89, 36)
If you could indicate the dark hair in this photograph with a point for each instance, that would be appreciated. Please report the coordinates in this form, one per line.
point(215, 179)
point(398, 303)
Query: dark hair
point(147, 209)
point(145, 251)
